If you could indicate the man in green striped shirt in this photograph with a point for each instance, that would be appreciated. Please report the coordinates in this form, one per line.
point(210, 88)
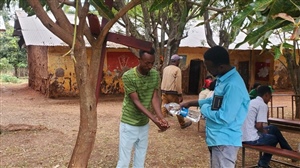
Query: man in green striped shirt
point(141, 91)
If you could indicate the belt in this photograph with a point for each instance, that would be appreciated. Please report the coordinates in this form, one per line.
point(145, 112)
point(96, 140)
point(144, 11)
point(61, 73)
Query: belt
point(170, 92)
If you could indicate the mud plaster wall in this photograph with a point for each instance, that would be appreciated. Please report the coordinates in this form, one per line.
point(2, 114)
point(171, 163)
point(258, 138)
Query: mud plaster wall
point(236, 56)
point(37, 66)
point(57, 75)
point(62, 77)
point(117, 61)
point(281, 76)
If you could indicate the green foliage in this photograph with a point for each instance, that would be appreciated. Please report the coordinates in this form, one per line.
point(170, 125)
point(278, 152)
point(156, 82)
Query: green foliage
point(10, 50)
point(159, 4)
point(8, 78)
point(259, 34)
point(102, 9)
point(258, 19)
point(5, 65)
point(205, 3)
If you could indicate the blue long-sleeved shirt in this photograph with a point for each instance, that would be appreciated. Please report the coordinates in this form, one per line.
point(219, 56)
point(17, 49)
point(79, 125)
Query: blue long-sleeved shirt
point(223, 126)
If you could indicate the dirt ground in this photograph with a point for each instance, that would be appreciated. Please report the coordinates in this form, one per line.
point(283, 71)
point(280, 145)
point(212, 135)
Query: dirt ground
point(49, 130)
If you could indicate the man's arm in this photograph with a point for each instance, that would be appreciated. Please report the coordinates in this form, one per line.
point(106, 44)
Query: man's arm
point(231, 103)
point(262, 118)
point(193, 103)
point(162, 125)
point(260, 127)
point(179, 85)
point(156, 104)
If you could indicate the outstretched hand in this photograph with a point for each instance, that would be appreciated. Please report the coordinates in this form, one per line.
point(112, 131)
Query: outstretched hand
point(162, 124)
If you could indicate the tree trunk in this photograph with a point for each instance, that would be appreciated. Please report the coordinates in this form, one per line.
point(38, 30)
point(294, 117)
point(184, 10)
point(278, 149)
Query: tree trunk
point(88, 111)
point(16, 71)
point(294, 73)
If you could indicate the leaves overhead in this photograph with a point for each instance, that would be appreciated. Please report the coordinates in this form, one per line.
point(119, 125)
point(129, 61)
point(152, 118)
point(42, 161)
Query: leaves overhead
point(203, 6)
point(102, 9)
point(159, 4)
point(258, 18)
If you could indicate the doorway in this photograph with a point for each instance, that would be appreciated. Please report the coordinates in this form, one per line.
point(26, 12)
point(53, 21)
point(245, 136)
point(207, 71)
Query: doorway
point(244, 72)
point(196, 76)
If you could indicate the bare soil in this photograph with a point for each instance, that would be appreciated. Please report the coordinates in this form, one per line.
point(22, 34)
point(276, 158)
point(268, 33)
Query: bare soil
point(41, 132)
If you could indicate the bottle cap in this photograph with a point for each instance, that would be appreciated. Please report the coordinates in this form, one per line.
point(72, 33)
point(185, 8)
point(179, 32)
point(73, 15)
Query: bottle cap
point(184, 112)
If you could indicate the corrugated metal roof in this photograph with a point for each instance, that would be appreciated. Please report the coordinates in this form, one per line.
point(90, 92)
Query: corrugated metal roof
point(2, 24)
point(35, 33)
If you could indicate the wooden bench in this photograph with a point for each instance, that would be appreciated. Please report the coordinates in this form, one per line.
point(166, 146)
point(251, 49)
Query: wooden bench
point(272, 150)
point(285, 124)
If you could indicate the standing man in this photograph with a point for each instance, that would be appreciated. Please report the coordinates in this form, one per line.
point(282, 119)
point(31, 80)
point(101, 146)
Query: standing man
point(225, 111)
point(171, 88)
point(254, 132)
point(141, 85)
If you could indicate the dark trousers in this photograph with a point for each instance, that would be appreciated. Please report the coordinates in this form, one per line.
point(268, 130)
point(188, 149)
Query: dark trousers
point(272, 138)
point(168, 98)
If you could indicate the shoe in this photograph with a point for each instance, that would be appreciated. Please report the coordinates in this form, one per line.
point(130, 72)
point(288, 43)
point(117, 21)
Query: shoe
point(186, 124)
point(262, 166)
point(294, 160)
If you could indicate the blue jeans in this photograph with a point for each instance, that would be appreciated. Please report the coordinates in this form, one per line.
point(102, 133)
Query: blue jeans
point(132, 136)
point(272, 138)
point(223, 156)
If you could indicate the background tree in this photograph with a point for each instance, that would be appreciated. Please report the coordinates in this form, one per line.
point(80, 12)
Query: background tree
point(218, 16)
point(86, 71)
point(162, 22)
point(9, 48)
point(264, 19)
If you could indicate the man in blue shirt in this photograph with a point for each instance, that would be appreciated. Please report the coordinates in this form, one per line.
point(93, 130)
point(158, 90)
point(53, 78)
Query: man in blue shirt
point(225, 111)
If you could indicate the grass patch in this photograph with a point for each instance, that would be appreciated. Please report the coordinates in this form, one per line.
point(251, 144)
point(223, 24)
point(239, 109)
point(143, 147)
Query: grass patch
point(11, 79)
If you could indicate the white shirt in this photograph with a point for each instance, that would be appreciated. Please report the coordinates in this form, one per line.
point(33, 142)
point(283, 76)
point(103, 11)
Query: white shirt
point(257, 112)
point(203, 94)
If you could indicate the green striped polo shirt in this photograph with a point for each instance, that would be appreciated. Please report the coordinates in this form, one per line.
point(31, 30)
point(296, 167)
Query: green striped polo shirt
point(143, 85)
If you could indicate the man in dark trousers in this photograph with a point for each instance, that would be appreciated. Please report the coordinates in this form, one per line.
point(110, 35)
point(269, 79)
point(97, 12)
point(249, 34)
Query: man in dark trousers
point(254, 131)
point(171, 88)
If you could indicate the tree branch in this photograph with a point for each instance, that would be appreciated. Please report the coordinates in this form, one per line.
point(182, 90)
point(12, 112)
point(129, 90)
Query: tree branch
point(208, 31)
point(219, 10)
point(48, 23)
point(67, 2)
point(122, 12)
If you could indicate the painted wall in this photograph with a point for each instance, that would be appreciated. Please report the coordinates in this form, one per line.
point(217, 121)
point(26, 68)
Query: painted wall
point(54, 75)
point(281, 76)
point(263, 67)
point(260, 64)
point(62, 77)
point(117, 61)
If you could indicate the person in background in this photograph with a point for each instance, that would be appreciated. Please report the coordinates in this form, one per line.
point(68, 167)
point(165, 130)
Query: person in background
point(171, 88)
point(254, 131)
point(253, 91)
point(211, 88)
point(141, 85)
point(207, 81)
point(205, 90)
point(226, 111)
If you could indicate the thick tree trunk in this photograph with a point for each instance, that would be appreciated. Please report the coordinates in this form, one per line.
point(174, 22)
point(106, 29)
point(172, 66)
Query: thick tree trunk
point(88, 113)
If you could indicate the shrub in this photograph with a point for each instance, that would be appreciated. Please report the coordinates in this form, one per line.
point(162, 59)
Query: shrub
point(8, 78)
